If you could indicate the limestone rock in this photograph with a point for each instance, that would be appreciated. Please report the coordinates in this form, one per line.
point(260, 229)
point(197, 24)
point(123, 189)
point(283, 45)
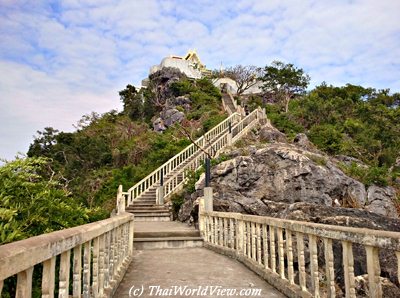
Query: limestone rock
point(302, 140)
point(389, 289)
point(161, 81)
point(270, 134)
point(158, 125)
point(171, 116)
point(181, 101)
point(380, 200)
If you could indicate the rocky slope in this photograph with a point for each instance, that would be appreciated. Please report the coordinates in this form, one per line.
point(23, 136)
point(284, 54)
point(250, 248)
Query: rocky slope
point(295, 181)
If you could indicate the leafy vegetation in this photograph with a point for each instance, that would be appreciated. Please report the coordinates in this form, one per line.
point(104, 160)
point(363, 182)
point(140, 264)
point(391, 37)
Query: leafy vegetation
point(351, 120)
point(69, 179)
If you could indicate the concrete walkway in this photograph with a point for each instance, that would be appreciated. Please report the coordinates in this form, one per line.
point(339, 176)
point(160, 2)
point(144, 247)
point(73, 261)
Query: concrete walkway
point(163, 229)
point(161, 272)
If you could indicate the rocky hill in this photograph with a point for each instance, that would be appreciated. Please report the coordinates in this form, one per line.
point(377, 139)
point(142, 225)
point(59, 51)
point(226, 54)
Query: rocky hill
point(269, 176)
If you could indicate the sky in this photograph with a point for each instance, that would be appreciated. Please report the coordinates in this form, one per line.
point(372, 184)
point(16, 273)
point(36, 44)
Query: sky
point(60, 60)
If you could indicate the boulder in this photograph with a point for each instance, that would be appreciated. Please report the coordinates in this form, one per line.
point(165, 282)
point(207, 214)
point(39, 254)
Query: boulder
point(380, 200)
point(270, 134)
point(158, 125)
point(160, 82)
point(389, 289)
point(302, 140)
point(180, 101)
point(171, 116)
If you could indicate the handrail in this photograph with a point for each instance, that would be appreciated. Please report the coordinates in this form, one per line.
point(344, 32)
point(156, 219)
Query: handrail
point(105, 248)
point(175, 183)
point(139, 188)
point(265, 244)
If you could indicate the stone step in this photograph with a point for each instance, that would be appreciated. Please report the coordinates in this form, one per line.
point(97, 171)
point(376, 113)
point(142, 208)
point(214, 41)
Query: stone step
point(149, 211)
point(140, 201)
point(147, 196)
point(167, 242)
point(150, 217)
point(145, 205)
point(171, 233)
point(148, 207)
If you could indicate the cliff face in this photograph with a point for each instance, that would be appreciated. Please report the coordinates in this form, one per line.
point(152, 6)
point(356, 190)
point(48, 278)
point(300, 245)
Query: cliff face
point(269, 178)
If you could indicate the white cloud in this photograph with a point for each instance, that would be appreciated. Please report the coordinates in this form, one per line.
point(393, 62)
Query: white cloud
point(59, 62)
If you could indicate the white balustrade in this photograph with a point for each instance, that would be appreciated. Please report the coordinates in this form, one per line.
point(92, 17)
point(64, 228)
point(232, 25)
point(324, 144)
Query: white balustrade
point(99, 252)
point(177, 180)
point(265, 245)
point(154, 177)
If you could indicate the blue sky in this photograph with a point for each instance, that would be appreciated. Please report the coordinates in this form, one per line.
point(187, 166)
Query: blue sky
point(60, 60)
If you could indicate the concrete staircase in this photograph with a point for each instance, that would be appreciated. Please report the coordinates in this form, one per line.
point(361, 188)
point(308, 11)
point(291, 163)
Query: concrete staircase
point(157, 235)
point(146, 208)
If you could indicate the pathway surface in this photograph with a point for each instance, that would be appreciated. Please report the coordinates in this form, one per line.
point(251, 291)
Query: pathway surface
point(162, 228)
point(156, 273)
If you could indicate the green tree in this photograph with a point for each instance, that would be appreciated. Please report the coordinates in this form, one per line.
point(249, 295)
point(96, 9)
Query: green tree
point(33, 200)
point(43, 142)
point(284, 81)
point(133, 102)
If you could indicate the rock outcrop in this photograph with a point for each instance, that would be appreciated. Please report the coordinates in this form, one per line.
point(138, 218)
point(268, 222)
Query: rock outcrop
point(160, 83)
point(288, 174)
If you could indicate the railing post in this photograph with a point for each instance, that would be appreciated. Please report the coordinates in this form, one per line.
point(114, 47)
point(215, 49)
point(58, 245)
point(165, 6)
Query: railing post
point(160, 190)
point(240, 236)
point(120, 200)
point(201, 218)
point(24, 283)
point(208, 192)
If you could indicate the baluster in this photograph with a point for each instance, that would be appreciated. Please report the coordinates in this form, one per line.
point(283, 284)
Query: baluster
point(265, 245)
point(253, 241)
point(272, 248)
point(101, 264)
point(258, 230)
point(107, 261)
point(374, 271)
point(348, 264)
point(281, 253)
point(314, 264)
point(48, 279)
point(77, 268)
point(131, 236)
point(24, 284)
point(216, 228)
point(63, 291)
point(231, 233)
point(212, 229)
point(330, 270)
point(301, 261)
point(248, 231)
point(225, 232)
point(86, 269)
point(95, 266)
point(244, 236)
point(205, 218)
point(221, 231)
point(118, 250)
point(289, 253)
point(240, 245)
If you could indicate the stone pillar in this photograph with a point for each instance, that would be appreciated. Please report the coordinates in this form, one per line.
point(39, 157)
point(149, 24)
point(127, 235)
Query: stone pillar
point(201, 217)
point(160, 195)
point(208, 199)
point(120, 201)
